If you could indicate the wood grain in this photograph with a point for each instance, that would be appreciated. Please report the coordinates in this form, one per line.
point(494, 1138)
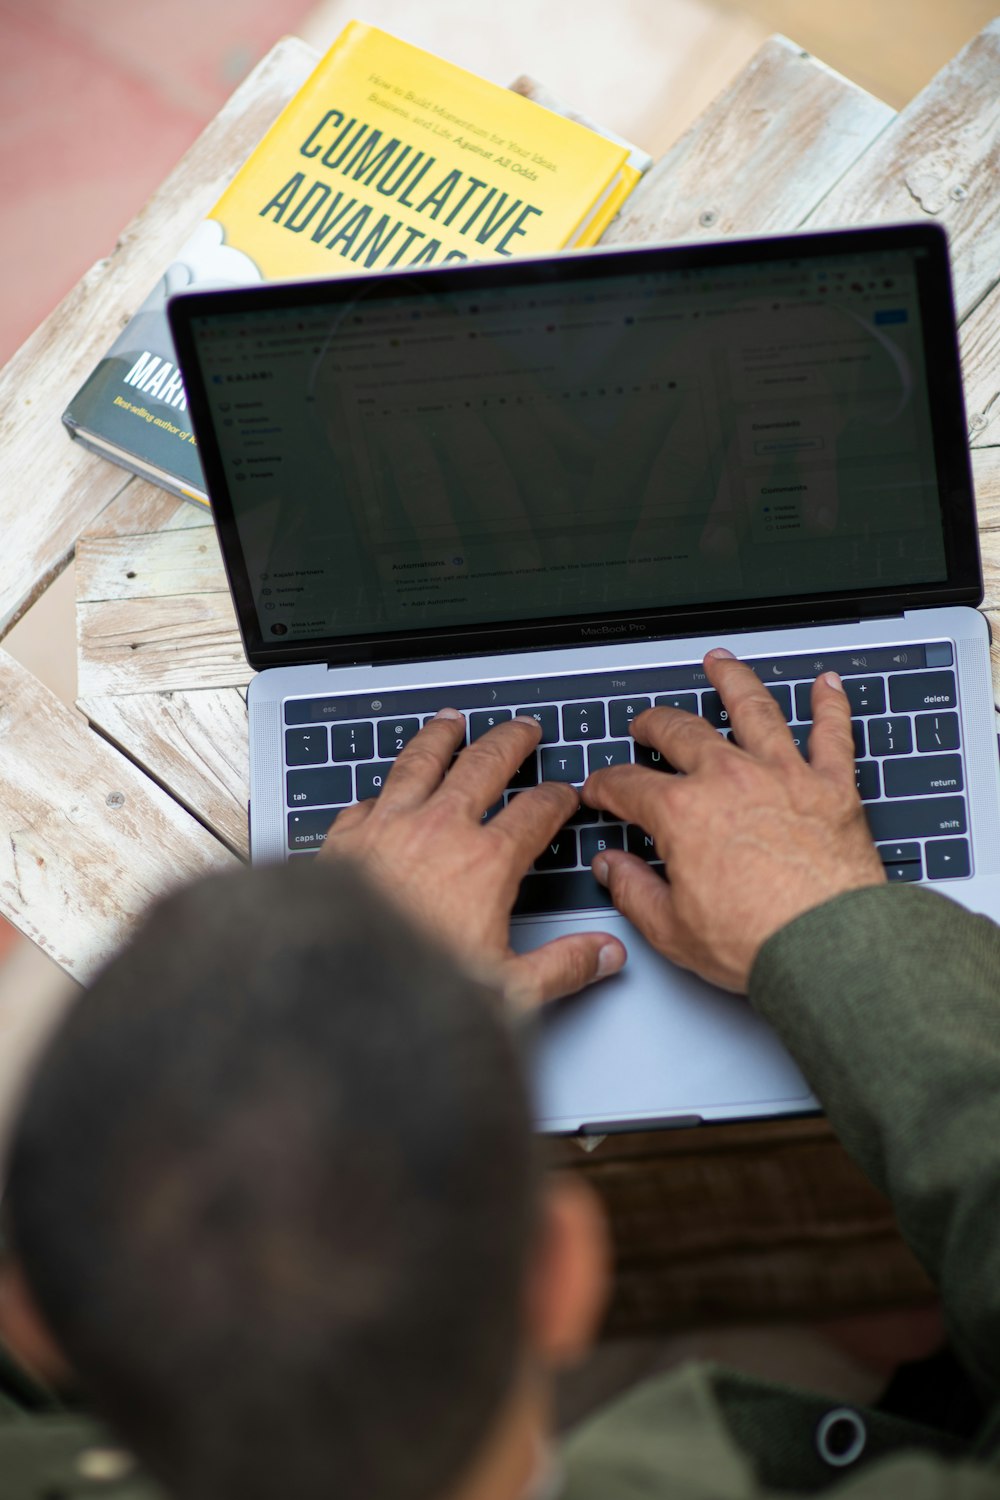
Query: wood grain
point(154, 645)
point(938, 159)
point(150, 566)
point(195, 742)
point(760, 158)
point(743, 1221)
point(986, 480)
point(52, 487)
point(980, 340)
point(88, 839)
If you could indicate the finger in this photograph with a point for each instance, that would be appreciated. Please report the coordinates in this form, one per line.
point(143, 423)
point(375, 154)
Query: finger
point(534, 817)
point(754, 714)
point(831, 739)
point(633, 793)
point(561, 967)
point(639, 894)
point(420, 766)
point(684, 740)
point(483, 770)
point(350, 818)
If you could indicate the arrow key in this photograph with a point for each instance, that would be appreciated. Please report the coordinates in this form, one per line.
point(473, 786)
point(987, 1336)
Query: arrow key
point(947, 859)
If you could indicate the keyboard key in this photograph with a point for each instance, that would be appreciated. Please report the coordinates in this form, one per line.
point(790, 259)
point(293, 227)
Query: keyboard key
point(782, 695)
point(596, 840)
point(687, 701)
point(319, 788)
point(915, 690)
point(916, 818)
point(306, 747)
point(583, 815)
point(547, 716)
point(393, 734)
point(645, 755)
point(481, 723)
point(621, 712)
point(560, 890)
point(714, 710)
point(866, 695)
point(947, 859)
point(609, 753)
point(526, 774)
point(937, 731)
point(889, 737)
point(800, 735)
point(307, 830)
point(867, 779)
point(371, 778)
point(803, 702)
point(491, 812)
point(562, 763)
point(560, 853)
point(638, 841)
point(923, 775)
point(913, 870)
point(352, 741)
point(898, 854)
point(583, 721)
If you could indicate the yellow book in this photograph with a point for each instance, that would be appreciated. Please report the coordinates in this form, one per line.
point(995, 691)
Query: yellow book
point(386, 157)
point(389, 156)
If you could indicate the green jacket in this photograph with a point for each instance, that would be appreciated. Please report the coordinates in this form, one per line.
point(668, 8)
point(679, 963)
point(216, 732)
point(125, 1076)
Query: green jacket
point(890, 1000)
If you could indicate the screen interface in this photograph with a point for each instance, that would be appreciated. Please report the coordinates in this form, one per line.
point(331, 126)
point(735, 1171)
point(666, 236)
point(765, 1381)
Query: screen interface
point(630, 442)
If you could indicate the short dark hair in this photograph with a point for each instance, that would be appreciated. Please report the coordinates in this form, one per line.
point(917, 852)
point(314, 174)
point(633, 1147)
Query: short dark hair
point(274, 1187)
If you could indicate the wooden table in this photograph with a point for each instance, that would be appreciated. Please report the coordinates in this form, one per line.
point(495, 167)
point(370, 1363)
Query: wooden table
point(147, 784)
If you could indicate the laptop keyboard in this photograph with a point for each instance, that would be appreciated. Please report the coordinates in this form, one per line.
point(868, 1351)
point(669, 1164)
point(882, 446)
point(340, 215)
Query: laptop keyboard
point(904, 707)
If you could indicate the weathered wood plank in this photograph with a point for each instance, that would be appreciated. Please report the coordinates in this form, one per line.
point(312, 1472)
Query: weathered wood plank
point(980, 339)
point(938, 159)
point(158, 645)
point(760, 157)
point(88, 839)
point(149, 566)
point(193, 743)
point(50, 487)
point(138, 507)
point(986, 480)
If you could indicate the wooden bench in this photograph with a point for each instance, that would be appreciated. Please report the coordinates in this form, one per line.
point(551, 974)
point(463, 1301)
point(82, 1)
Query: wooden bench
point(147, 784)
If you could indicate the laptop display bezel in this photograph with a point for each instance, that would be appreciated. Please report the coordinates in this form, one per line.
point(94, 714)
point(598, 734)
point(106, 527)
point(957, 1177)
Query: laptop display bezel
point(963, 584)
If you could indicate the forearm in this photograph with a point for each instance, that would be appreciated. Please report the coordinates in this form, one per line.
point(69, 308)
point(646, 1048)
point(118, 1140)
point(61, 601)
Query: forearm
point(889, 999)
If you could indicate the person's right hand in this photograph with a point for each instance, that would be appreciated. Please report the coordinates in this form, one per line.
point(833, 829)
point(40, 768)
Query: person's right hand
point(752, 835)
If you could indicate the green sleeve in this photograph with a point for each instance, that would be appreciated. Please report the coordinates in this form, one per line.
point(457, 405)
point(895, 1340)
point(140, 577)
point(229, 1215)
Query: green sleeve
point(889, 999)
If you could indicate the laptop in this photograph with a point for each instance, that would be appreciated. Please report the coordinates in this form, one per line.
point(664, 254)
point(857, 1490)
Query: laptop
point(548, 486)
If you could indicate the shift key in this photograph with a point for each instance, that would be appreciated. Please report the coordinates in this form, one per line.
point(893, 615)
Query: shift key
point(916, 818)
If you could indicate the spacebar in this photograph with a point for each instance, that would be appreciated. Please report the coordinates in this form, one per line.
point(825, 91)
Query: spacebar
point(560, 890)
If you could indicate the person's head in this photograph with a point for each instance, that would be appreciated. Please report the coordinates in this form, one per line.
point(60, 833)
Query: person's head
point(275, 1197)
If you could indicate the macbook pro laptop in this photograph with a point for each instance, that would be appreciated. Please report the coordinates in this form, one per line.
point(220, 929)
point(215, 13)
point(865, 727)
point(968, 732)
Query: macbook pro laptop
point(548, 486)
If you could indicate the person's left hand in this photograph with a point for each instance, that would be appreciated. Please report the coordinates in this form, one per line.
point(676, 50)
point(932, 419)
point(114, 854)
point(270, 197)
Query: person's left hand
point(423, 842)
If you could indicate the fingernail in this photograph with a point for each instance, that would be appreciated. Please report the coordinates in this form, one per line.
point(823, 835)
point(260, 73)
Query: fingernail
point(721, 651)
point(609, 960)
point(448, 713)
point(526, 719)
point(832, 679)
point(600, 870)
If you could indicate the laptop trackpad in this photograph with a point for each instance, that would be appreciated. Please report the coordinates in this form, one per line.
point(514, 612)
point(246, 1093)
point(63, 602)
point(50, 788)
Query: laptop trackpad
point(653, 1044)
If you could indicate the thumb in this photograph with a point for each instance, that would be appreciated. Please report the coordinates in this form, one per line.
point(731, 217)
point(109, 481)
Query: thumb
point(559, 968)
point(640, 894)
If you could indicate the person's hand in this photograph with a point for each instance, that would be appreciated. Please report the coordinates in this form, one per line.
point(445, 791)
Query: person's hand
point(423, 842)
point(751, 835)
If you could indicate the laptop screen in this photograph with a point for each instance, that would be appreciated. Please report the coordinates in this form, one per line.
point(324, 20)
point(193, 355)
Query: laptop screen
point(437, 453)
